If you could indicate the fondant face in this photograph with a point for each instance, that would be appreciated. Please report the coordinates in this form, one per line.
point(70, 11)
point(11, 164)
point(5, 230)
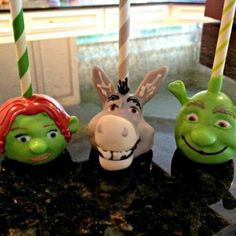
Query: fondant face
point(34, 139)
point(119, 132)
point(206, 128)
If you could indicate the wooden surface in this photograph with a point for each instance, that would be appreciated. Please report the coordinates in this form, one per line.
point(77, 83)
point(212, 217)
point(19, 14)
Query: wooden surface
point(214, 9)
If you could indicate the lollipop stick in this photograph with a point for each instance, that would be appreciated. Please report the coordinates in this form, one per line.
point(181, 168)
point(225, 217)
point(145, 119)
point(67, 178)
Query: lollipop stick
point(124, 23)
point(223, 38)
point(21, 47)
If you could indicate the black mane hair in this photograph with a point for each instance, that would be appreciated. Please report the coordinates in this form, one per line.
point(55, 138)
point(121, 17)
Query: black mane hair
point(123, 87)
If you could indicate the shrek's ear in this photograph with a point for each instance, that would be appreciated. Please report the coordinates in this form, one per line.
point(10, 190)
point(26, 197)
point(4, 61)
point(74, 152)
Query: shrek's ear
point(74, 124)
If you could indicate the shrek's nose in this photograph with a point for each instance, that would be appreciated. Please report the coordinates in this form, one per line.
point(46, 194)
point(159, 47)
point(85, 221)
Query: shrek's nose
point(38, 146)
point(203, 136)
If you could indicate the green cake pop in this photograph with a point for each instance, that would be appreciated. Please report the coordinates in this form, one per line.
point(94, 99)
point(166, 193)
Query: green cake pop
point(206, 125)
point(34, 128)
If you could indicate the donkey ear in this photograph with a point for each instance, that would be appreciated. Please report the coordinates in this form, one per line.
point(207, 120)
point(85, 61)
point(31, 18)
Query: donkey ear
point(151, 83)
point(102, 84)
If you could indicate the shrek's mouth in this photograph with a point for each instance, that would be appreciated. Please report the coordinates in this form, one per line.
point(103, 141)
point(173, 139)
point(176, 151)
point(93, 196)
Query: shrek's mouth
point(202, 152)
point(40, 158)
point(116, 155)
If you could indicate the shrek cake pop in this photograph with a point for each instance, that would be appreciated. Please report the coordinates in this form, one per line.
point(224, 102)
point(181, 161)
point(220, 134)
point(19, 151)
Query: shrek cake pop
point(206, 125)
point(34, 130)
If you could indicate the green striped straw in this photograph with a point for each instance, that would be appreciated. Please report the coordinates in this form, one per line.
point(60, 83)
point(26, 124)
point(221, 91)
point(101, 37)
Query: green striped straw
point(227, 20)
point(21, 47)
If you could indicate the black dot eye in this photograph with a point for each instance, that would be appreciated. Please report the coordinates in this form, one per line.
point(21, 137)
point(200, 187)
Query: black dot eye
point(133, 110)
point(23, 138)
point(222, 124)
point(52, 134)
point(113, 107)
point(192, 117)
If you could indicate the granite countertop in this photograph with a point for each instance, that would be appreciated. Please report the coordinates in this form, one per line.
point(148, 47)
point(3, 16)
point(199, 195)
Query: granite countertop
point(66, 197)
point(31, 5)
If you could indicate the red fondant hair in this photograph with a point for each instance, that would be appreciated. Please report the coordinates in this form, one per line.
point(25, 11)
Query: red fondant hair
point(38, 103)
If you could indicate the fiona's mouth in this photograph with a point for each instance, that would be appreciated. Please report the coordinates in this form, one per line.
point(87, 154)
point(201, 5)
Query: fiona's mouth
point(117, 156)
point(202, 152)
point(40, 158)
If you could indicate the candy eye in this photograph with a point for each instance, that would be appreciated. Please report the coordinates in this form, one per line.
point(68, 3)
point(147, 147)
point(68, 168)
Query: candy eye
point(133, 110)
point(23, 138)
point(192, 117)
point(222, 124)
point(52, 134)
point(113, 107)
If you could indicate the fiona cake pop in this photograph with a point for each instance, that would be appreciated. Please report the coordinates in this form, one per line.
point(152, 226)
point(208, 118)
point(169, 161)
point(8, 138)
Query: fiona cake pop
point(206, 125)
point(34, 128)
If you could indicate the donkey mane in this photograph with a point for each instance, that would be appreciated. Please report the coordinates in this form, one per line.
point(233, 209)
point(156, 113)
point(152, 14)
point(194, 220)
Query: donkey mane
point(123, 87)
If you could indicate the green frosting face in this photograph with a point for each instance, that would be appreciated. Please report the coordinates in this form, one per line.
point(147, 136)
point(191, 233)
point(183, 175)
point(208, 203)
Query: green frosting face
point(34, 139)
point(206, 127)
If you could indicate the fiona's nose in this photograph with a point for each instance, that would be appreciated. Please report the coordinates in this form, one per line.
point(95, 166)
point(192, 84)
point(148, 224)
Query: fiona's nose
point(203, 136)
point(38, 146)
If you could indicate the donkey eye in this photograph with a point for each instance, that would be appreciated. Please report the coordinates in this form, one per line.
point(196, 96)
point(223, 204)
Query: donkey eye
point(113, 107)
point(133, 110)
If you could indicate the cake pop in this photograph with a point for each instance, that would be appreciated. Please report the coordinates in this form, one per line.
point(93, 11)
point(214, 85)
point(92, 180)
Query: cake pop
point(206, 125)
point(34, 128)
point(119, 132)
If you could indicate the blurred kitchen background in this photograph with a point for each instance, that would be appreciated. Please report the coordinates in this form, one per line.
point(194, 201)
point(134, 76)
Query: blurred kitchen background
point(66, 38)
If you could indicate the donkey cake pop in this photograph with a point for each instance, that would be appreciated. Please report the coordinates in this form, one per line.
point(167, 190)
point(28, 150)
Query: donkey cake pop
point(34, 128)
point(119, 132)
point(206, 125)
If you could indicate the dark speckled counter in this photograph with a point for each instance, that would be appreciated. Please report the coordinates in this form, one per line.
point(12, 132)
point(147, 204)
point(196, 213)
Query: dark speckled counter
point(69, 198)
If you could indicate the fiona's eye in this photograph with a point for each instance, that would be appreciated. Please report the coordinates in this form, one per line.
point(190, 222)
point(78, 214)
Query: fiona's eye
point(193, 117)
point(52, 134)
point(23, 138)
point(113, 107)
point(222, 124)
point(133, 110)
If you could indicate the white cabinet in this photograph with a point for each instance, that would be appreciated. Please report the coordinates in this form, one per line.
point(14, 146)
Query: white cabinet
point(188, 14)
point(53, 66)
point(51, 37)
point(54, 69)
point(141, 17)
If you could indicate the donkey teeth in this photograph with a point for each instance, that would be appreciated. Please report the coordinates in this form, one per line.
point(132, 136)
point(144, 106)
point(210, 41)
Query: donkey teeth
point(114, 155)
point(105, 154)
point(117, 155)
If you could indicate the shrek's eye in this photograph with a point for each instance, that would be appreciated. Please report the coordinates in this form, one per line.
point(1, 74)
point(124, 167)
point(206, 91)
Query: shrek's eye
point(113, 107)
point(193, 117)
point(52, 134)
point(222, 124)
point(133, 110)
point(23, 138)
